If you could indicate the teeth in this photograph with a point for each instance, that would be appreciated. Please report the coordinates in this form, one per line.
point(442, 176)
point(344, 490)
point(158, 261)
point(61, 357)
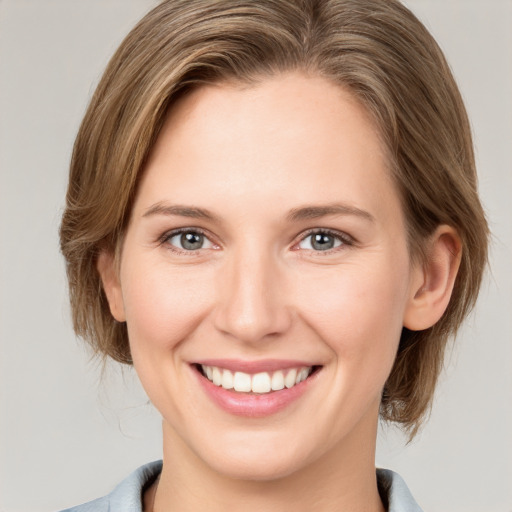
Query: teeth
point(263, 382)
point(227, 379)
point(290, 379)
point(217, 376)
point(277, 381)
point(242, 382)
point(302, 375)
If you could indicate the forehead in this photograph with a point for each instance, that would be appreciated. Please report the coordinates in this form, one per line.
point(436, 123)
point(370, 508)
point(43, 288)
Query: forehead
point(291, 138)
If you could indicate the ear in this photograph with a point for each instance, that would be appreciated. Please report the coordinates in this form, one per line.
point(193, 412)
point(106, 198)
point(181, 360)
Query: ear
point(432, 283)
point(111, 284)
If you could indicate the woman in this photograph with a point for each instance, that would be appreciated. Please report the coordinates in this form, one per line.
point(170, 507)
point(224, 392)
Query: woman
point(277, 204)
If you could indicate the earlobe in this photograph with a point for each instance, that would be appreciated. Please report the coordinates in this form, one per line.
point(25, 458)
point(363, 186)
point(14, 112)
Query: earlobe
point(111, 284)
point(432, 283)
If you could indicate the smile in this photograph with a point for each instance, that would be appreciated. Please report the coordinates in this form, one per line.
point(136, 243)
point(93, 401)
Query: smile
point(255, 389)
point(261, 383)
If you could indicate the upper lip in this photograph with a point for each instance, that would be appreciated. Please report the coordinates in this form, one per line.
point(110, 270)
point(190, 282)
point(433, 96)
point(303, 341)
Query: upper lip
point(251, 367)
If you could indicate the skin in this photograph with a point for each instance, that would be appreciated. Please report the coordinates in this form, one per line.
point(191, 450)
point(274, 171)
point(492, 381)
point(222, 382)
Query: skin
point(257, 289)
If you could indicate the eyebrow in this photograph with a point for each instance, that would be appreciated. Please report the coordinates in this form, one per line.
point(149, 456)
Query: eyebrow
point(315, 212)
point(180, 210)
point(294, 215)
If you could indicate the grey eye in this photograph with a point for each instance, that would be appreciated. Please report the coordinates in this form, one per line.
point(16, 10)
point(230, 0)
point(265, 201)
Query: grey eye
point(190, 241)
point(320, 242)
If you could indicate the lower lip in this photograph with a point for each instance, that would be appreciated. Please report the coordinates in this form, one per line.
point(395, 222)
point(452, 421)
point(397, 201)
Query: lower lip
point(253, 405)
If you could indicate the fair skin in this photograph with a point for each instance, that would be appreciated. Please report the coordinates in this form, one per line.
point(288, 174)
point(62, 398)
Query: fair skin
point(248, 173)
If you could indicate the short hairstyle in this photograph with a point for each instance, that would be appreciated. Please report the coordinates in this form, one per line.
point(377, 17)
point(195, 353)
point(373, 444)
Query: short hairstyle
point(375, 49)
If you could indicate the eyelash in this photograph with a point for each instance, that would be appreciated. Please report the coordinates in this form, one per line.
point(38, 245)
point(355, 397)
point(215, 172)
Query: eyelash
point(345, 239)
point(166, 237)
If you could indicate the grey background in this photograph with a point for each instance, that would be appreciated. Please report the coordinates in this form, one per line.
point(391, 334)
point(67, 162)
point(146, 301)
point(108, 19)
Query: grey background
point(66, 435)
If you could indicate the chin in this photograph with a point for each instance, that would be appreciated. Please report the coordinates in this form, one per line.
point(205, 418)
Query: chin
point(257, 458)
point(256, 469)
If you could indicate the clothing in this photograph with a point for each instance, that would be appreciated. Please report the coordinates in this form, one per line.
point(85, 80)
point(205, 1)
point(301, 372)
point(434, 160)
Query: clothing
point(126, 497)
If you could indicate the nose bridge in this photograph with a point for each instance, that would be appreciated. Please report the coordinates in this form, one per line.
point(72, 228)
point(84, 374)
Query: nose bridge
point(252, 304)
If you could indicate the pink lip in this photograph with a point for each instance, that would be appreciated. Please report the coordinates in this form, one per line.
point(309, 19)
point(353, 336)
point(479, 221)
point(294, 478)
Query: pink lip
point(251, 367)
point(253, 405)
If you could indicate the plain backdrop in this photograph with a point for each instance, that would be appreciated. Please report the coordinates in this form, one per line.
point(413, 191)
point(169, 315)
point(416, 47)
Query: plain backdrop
point(66, 435)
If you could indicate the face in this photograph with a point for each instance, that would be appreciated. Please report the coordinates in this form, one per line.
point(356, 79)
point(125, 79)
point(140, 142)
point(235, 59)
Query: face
point(267, 251)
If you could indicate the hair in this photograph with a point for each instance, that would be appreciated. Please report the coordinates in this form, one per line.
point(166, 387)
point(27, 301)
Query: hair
point(376, 49)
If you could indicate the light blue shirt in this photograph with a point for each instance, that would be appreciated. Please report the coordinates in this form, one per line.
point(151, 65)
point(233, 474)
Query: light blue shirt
point(127, 496)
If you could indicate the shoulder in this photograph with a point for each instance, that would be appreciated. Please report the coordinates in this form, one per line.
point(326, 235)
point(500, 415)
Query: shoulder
point(395, 493)
point(126, 497)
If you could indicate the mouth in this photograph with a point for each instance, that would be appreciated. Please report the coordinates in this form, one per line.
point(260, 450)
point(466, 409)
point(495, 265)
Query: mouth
point(255, 389)
point(260, 383)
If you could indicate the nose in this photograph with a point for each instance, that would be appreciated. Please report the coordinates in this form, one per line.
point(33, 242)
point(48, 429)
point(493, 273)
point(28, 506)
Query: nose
point(252, 291)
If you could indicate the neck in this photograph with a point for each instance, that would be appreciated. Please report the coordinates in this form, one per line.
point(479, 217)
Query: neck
point(343, 478)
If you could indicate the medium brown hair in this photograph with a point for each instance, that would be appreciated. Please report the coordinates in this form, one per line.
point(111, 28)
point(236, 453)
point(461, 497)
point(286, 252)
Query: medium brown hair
point(376, 49)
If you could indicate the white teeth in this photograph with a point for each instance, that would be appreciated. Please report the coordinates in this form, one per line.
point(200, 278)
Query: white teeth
point(302, 375)
point(227, 379)
point(290, 379)
point(277, 381)
point(217, 376)
point(263, 382)
point(242, 382)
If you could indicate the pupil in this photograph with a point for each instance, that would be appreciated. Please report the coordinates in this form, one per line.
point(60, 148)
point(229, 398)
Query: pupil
point(191, 241)
point(322, 242)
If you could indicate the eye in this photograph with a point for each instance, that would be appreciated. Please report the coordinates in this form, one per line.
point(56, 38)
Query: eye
point(188, 240)
point(322, 241)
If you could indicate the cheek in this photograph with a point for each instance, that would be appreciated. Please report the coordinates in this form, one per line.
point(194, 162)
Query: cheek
point(162, 304)
point(357, 309)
